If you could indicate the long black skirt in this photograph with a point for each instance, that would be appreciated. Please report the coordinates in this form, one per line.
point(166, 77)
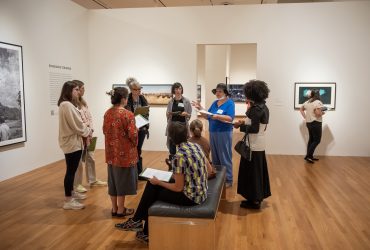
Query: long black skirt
point(253, 177)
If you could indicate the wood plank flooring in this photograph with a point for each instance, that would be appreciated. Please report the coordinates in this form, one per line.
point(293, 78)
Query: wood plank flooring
point(321, 206)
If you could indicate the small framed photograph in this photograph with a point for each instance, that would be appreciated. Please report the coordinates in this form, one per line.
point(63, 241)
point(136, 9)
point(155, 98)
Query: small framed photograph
point(12, 108)
point(327, 92)
point(199, 93)
point(236, 92)
point(156, 94)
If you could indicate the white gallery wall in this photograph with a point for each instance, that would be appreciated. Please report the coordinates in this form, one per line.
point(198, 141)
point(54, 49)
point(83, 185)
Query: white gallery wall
point(314, 42)
point(50, 32)
point(325, 42)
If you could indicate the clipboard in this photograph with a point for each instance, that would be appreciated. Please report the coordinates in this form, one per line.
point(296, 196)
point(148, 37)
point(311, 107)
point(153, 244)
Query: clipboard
point(143, 110)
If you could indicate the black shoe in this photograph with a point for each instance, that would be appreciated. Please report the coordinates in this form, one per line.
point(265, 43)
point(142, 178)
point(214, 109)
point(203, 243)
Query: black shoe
point(250, 204)
point(315, 159)
point(309, 160)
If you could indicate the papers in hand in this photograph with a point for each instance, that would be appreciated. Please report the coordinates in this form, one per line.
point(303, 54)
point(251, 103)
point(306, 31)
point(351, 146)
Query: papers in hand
point(140, 121)
point(161, 175)
point(202, 111)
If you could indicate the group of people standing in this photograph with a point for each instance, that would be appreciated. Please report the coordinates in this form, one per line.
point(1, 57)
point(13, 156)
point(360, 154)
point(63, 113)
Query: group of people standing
point(190, 158)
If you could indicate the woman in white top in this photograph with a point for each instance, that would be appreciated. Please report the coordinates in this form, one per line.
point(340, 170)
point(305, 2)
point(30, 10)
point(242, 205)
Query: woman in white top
point(88, 156)
point(312, 112)
point(253, 177)
point(71, 131)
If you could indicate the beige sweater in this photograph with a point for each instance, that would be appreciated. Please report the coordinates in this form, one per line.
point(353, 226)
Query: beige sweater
point(71, 128)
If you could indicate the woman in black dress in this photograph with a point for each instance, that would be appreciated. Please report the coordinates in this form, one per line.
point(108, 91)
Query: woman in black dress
point(253, 177)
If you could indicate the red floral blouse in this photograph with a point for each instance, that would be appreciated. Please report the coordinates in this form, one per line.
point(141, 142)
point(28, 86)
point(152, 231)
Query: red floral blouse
point(120, 137)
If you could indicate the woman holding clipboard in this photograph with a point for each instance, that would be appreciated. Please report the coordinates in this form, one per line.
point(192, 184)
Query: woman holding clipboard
point(136, 100)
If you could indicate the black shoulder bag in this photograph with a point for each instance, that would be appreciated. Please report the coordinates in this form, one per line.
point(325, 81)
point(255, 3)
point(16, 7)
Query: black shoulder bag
point(243, 149)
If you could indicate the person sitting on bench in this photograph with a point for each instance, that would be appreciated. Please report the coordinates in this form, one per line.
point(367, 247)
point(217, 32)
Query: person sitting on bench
point(189, 189)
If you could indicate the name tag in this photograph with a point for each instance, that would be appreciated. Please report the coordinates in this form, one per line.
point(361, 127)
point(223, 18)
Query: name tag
point(180, 105)
point(220, 111)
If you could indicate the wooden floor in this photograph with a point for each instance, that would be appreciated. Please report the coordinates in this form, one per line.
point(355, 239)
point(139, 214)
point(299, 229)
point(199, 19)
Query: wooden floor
point(320, 206)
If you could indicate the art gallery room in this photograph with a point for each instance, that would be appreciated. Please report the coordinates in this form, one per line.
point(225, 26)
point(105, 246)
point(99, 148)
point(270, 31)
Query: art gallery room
point(293, 46)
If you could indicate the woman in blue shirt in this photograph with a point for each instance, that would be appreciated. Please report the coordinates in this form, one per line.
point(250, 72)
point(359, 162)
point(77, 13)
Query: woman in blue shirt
point(220, 129)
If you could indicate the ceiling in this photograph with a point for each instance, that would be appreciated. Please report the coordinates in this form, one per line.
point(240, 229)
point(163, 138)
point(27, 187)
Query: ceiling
point(115, 4)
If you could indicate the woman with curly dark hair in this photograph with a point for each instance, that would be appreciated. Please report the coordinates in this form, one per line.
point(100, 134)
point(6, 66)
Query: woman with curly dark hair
point(253, 178)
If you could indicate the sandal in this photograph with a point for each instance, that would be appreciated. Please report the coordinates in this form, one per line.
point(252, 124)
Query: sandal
point(126, 212)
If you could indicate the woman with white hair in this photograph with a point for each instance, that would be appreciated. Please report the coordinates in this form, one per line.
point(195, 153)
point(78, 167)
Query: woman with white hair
point(135, 100)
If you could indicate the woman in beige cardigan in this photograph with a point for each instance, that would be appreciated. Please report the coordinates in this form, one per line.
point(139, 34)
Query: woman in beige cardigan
point(71, 131)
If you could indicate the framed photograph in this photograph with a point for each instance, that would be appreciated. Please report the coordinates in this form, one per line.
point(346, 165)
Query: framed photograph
point(12, 112)
point(156, 94)
point(199, 93)
point(236, 92)
point(327, 92)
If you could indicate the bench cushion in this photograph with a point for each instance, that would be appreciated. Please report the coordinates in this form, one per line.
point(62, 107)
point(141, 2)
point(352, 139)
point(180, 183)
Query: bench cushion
point(207, 209)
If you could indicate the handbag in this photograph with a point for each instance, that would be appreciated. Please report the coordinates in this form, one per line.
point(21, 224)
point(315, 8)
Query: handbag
point(243, 149)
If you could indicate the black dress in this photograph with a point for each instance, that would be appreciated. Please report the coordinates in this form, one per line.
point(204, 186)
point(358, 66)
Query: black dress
point(253, 177)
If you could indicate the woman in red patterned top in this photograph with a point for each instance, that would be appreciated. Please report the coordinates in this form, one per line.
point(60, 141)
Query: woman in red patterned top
point(120, 151)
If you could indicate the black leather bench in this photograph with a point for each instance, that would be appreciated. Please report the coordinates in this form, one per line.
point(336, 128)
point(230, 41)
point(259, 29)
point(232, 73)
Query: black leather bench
point(182, 227)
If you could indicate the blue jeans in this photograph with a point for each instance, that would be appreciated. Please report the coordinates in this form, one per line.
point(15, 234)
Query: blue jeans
point(221, 148)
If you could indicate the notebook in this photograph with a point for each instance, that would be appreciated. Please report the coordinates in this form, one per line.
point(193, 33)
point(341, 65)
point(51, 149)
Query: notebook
point(161, 175)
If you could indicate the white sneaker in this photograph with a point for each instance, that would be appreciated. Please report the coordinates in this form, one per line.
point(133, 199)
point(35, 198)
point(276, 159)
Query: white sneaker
point(73, 205)
point(80, 189)
point(78, 196)
point(99, 183)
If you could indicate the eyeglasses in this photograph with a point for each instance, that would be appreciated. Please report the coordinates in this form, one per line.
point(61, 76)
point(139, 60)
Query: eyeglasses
point(136, 89)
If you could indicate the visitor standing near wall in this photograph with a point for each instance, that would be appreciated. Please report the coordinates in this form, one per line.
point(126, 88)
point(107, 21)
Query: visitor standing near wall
point(135, 100)
point(253, 177)
point(178, 110)
point(88, 155)
point(121, 155)
point(222, 113)
point(312, 112)
point(71, 131)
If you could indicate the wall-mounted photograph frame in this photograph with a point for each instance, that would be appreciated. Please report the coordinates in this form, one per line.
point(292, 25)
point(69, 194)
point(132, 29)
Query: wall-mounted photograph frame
point(199, 93)
point(156, 94)
point(327, 92)
point(12, 108)
point(236, 92)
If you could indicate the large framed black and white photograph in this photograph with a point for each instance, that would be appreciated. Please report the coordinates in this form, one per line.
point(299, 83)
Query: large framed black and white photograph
point(327, 92)
point(12, 112)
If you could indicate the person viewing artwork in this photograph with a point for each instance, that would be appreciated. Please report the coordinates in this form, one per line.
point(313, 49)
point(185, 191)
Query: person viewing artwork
point(188, 189)
point(88, 156)
point(121, 154)
point(253, 177)
point(178, 110)
point(312, 112)
point(220, 129)
point(135, 100)
point(71, 131)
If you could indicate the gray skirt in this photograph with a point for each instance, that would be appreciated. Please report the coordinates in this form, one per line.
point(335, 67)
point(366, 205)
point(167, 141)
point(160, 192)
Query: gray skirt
point(122, 181)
